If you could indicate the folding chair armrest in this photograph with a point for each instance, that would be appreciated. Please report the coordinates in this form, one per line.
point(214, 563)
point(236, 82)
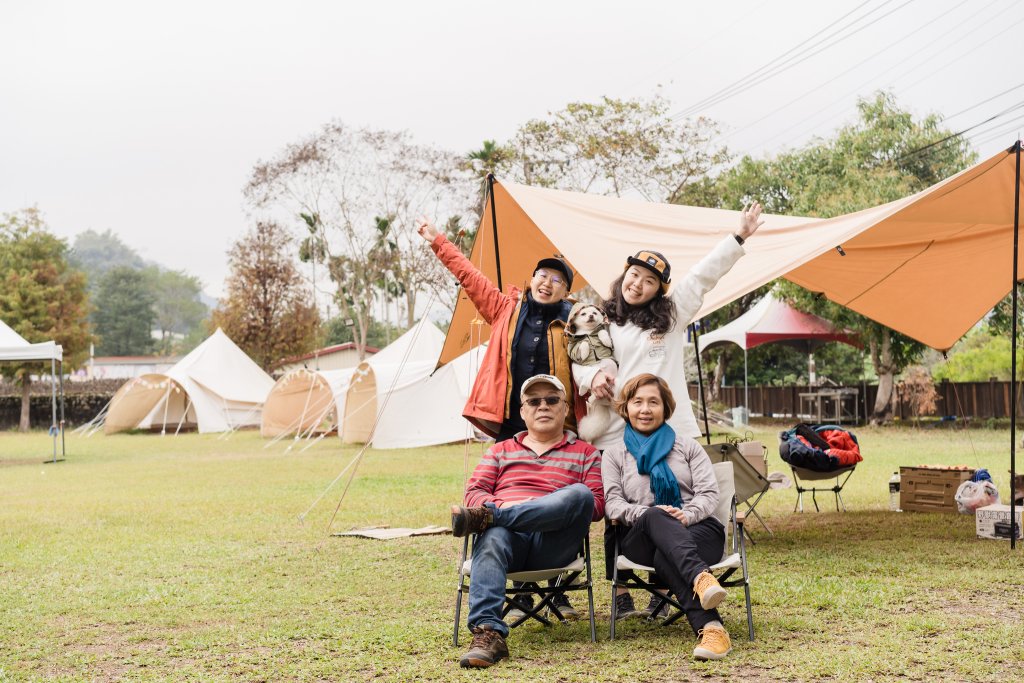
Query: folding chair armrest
point(741, 517)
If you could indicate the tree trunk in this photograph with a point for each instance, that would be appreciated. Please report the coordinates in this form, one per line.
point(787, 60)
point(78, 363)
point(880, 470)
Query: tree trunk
point(26, 390)
point(715, 390)
point(882, 360)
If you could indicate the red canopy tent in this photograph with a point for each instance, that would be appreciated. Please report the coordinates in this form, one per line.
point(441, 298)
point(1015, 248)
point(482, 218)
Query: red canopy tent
point(771, 321)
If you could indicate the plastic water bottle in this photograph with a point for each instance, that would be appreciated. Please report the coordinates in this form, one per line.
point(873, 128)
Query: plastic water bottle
point(894, 492)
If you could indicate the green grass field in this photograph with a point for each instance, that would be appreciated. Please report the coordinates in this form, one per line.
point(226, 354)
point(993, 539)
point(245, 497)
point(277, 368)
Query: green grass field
point(183, 558)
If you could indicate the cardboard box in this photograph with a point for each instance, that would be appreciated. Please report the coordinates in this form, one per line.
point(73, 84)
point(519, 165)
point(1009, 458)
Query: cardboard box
point(930, 489)
point(754, 453)
point(993, 521)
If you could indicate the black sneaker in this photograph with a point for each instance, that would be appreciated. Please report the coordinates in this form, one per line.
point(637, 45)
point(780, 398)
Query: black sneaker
point(624, 607)
point(488, 647)
point(466, 521)
point(649, 612)
point(515, 614)
point(561, 601)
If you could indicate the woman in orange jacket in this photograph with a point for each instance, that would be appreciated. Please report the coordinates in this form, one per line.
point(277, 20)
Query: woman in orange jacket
point(536, 317)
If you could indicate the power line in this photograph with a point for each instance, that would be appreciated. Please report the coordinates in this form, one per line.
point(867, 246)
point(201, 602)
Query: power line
point(770, 63)
point(924, 148)
point(815, 89)
point(913, 68)
point(795, 60)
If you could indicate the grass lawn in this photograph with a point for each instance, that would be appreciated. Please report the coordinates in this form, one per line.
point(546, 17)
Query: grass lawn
point(183, 558)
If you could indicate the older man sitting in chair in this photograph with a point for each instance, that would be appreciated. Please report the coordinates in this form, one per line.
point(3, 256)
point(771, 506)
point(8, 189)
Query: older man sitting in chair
point(531, 499)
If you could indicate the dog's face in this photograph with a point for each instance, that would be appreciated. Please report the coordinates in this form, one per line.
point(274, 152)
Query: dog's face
point(585, 319)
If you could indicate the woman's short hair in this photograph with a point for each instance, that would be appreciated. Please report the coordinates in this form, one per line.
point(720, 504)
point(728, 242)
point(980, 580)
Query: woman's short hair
point(630, 388)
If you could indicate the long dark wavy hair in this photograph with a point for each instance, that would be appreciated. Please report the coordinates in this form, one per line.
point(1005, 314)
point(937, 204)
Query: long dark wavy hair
point(658, 314)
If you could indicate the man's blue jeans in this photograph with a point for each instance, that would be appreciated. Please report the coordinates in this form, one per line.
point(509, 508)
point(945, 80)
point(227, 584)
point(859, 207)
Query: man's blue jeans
point(541, 533)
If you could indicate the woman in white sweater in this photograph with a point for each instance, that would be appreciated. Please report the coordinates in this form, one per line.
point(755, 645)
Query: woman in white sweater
point(648, 323)
point(660, 489)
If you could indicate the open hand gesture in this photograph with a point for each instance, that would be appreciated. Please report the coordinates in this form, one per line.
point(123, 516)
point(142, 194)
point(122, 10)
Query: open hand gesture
point(750, 220)
point(426, 229)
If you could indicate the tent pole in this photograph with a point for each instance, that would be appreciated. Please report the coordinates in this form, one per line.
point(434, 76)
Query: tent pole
point(53, 405)
point(746, 387)
point(700, 384)
point(63, 446)
point(494, 230)
point(1013, 349)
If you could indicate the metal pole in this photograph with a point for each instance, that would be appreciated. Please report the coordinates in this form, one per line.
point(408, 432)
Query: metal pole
point(700, 384)
point(63, 446)
point(746, 387)
point(494, 229)
point(1013, 350)
point(53, 405)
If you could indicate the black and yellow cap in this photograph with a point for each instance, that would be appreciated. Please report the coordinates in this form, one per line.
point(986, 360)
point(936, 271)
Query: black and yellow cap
point(654, 262)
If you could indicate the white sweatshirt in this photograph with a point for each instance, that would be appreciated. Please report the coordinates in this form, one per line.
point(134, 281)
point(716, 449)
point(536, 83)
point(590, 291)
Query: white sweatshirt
point(638, 351)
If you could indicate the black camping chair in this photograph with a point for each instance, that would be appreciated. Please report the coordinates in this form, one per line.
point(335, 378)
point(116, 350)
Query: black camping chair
point(734, 558)
point(575, 576)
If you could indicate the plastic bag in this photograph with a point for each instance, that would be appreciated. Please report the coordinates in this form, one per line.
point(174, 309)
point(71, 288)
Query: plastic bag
point(972, 495)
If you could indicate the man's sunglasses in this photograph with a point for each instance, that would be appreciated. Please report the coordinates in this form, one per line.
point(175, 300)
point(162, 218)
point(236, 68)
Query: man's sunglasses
point(536, 401)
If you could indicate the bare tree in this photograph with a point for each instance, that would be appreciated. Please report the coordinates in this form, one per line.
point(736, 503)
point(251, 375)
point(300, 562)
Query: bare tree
point(366, 188)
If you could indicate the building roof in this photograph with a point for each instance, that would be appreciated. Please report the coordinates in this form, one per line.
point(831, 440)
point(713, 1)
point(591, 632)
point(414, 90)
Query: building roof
point(326, 351)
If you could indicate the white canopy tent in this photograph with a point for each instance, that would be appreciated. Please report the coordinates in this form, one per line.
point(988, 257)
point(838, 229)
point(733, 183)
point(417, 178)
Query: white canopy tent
point(216, 387)
point(14, 348)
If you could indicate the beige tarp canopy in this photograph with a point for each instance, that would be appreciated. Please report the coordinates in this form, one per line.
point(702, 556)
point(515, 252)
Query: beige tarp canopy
point(929, 265)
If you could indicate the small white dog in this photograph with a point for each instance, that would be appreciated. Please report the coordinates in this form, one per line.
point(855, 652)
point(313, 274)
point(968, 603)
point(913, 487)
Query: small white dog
point(590, 344)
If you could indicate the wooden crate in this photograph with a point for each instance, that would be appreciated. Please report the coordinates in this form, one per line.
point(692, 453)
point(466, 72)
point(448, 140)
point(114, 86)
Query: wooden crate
point(930, 489)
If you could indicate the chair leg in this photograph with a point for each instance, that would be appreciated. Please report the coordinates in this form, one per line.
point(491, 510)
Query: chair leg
point(458, 617)
point(590, 590)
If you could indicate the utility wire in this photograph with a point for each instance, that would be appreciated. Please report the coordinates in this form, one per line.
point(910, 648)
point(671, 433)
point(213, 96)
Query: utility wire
point(859, 64)
point(924, 148)
point(740, 82)
point(904, 73)
point(798, 59)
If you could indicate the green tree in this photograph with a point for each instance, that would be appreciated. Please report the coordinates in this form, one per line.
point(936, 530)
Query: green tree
point(978, 357)
point(125, 313)
point(94, 253)
point(338, 331)
point(42, 297)
point(267, 311)
point(177, 306)
point(867, 163)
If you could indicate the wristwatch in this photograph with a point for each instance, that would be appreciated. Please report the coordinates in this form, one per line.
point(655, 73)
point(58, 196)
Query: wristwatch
point(739, 240)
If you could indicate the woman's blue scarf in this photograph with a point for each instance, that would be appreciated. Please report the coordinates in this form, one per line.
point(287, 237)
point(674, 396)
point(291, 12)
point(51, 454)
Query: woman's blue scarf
point(651, 453)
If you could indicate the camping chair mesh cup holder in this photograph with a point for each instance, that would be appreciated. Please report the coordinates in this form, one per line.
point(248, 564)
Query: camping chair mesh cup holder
point(734, 559)
point(575, 576)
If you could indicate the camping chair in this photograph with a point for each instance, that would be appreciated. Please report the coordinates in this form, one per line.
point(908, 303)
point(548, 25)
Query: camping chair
point(734, 557)
point(802, 475)
point(532, 583)
point(750, 473)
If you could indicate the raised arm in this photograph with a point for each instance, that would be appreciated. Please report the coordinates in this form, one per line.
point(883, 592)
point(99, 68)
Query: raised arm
point(688, 294)
point(487, 298)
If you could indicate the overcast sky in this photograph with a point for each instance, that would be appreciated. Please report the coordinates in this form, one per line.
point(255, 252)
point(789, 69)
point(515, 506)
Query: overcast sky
point(145, 117)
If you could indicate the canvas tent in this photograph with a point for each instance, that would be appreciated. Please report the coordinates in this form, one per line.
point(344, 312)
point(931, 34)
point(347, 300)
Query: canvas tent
point(774, 321)
point(395, 388)
point(216, 388)
point(15, 348)
point(929, 265)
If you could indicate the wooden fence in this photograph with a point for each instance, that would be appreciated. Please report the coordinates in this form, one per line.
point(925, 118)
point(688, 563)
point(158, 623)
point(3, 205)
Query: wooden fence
point(974, 400)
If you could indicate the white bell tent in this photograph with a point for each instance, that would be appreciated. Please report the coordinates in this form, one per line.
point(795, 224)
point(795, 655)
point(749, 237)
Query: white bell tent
point(216, 388)
point(394, 389)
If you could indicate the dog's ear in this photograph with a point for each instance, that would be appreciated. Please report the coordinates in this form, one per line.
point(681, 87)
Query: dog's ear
point(570, 326)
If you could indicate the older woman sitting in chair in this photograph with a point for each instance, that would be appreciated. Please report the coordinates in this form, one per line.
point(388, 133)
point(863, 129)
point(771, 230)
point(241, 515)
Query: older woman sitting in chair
point(660, 489)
